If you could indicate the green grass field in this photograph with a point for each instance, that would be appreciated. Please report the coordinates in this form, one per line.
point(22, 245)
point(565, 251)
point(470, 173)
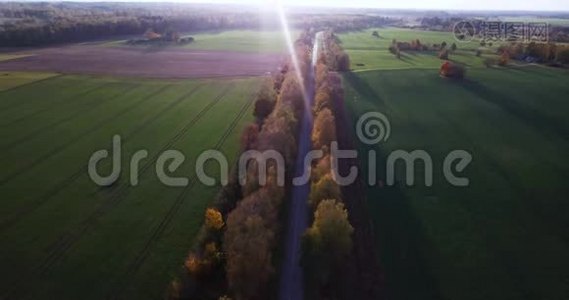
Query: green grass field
point(268, 41)
point(62, 234)
point(10, 80)
point(371, 53)
point(505, 236)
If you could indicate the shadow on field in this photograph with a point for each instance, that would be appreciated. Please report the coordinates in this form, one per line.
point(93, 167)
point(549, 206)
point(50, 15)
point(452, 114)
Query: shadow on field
point(517, 109)
point(399, 235)
point(408, 59)
point(402, 243)
point(363, 89)
point(529, 69)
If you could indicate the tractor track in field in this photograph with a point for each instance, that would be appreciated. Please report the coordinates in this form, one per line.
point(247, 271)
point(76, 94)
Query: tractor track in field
point(77, 138)
point(157, 233)
point(66, 119)
point(64, 242)
point(27, 85)
point(62, 185)
point(52, 105)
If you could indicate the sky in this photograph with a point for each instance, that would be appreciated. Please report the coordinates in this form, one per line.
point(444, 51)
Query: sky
point(511, 5)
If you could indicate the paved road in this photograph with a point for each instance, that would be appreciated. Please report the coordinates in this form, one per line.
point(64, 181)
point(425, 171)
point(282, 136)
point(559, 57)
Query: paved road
point(291, 287)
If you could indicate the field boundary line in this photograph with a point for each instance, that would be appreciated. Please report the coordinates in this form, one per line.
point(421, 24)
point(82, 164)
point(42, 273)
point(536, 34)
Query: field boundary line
point(57, 75)
point(62, 185)
point(157, 233)
point(58, 149)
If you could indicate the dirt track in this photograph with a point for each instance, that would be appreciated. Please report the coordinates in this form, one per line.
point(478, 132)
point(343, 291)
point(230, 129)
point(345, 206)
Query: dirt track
point(165, 63)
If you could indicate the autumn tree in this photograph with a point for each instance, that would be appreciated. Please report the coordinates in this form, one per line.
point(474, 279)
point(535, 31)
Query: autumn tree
point(151, 35)
point(504, 59)
point(322, 189)
point(249, 240)
point(322, 168)
point(292, 94)
point(321, 74)
point(326, 244)
point(249, 257)
point(213, 219)
point(324, 131)
point(277, 135)
point(249, 137)
point(322, 100)
point(265, 101)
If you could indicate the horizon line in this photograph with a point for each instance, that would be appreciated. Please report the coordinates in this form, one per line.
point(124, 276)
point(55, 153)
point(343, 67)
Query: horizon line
point(250, 4)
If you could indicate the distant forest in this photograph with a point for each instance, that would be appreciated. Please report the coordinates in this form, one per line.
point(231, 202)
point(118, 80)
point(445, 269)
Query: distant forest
point(33, 24)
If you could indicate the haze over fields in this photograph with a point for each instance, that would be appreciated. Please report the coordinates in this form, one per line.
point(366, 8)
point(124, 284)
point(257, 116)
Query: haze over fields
point(249, 152)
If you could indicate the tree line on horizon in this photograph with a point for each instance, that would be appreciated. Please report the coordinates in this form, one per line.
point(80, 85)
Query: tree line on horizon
point(33, 24)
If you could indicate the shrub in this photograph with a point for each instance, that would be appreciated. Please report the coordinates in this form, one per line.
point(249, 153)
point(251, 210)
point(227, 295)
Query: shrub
point(504, 59)
point(452, 70)
point(453, 47)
